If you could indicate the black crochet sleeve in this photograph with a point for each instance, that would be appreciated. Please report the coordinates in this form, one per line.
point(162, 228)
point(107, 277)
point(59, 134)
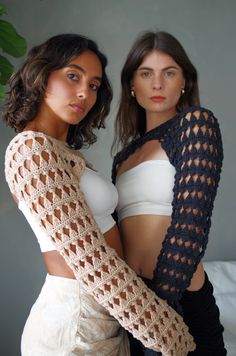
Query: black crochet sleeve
point(198, 162)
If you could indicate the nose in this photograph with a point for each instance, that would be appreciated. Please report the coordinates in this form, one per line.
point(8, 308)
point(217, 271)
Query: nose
point(82, 91)
point(157, 82)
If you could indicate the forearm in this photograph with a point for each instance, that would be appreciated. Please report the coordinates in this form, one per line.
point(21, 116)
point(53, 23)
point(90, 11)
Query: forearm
point(198, 163)
point(50, 188)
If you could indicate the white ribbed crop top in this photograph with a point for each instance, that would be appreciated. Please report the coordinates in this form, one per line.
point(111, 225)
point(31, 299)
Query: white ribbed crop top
point(101, 196)
point(146, 189)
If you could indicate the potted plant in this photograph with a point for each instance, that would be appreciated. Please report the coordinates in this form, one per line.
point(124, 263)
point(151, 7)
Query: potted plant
point(11, 43)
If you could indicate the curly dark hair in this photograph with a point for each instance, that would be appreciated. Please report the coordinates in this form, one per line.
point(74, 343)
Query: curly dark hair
point(28, 85)
point(131, 117)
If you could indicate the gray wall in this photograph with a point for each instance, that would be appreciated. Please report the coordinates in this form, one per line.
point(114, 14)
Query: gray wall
point(205, 28)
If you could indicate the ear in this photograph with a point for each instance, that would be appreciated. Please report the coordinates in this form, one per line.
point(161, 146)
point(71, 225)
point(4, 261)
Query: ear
point(131, 85)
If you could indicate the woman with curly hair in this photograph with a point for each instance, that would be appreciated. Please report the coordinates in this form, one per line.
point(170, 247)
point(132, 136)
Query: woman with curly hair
point(57, 98)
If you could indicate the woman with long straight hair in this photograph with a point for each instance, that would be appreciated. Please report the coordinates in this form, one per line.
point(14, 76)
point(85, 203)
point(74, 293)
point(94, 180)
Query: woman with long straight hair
point(167, 175)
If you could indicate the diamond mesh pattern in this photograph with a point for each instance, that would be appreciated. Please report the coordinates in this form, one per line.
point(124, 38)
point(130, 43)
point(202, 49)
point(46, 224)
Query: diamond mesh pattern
point(45, 174)
point(192, 141)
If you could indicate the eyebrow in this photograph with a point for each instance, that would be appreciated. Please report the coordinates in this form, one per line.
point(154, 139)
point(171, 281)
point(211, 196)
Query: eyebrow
point(148, 68)
point(75, 66)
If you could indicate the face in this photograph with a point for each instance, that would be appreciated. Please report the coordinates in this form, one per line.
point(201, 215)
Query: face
point(157, 84)
point(72, 90)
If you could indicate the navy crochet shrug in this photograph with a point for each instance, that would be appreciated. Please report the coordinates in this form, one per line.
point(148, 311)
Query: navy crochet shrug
point(192, 142)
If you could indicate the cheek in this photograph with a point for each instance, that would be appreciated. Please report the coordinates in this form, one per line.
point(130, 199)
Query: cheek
point(139, 97)
point(92, 101)
point(58, 87)
point(176, 90)
point(139, 85)
point(54, 91)
point(56, 97)
point(140, 92)
point(53, 98)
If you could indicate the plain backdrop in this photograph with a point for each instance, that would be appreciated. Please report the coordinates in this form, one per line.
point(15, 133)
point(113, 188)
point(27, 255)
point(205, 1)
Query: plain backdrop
point(206, 29)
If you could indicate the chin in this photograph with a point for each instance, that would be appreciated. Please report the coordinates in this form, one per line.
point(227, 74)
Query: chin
point(75, 121)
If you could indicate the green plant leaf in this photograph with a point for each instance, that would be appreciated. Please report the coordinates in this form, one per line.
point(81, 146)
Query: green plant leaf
point(2, 92)
point(10, 41)
point(6, 69)
point(2, 10)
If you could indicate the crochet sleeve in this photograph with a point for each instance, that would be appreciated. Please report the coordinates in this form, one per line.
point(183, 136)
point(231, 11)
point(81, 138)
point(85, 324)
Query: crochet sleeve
point(198, 164)
point(46, 180)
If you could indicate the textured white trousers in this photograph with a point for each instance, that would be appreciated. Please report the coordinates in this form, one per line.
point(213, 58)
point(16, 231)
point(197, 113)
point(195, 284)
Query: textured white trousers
point(66, 321)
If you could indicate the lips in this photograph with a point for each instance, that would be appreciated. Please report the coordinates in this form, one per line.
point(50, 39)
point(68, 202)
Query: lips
point(157, 98)
point(78, 108)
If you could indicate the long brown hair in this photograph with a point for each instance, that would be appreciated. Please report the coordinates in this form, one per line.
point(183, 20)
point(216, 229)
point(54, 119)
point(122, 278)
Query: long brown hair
point(28, 84)
point(131, 117)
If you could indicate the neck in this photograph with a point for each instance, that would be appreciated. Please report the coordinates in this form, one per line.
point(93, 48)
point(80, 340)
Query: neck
point(49, 126)
point(154, 119)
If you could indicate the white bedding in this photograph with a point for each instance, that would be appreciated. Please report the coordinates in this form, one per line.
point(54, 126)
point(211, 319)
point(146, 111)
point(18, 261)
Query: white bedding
point(223, 277)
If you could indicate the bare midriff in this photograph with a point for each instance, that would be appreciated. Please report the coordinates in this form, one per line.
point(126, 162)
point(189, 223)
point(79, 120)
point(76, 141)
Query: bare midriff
point(142, 238)
point(142, 235)
point(56, 265)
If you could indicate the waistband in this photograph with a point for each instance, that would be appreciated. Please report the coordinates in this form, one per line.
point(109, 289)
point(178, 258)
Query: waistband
point(69, 285)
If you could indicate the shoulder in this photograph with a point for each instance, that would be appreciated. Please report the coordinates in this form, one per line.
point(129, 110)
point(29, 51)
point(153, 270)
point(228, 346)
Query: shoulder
point(41, 149)
point(25, 150)
point(195, 123)
point(199, 133)
point(195, 130)
point(29, 140)
point(33, 142)
point(30, 154)
point(197, 116)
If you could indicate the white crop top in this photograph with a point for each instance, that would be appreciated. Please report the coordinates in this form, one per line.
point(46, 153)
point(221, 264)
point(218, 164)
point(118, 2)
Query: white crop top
point(101, 196)
point(146, 189)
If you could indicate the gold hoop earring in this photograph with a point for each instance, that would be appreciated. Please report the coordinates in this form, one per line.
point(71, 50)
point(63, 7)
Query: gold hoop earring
point(132, 93)
point(182, 91)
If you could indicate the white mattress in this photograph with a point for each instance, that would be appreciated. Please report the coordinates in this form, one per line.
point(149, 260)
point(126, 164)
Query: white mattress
point(223, 277)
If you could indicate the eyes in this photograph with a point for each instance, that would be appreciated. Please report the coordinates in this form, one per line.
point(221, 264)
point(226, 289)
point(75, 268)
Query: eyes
point(94, 87)
point(146, 74)
point(72, 76)
point(75, 77)
point(169, 74)
point(149, 73)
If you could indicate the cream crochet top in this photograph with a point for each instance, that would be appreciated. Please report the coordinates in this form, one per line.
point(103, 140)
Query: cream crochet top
point(45, 173)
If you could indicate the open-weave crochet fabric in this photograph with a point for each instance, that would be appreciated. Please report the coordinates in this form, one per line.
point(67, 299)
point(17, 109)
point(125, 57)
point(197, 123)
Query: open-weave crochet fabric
point(45, 173)
point(192, 142)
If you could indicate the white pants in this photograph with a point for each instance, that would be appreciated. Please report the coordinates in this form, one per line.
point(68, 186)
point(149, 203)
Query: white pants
point(66, 321)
